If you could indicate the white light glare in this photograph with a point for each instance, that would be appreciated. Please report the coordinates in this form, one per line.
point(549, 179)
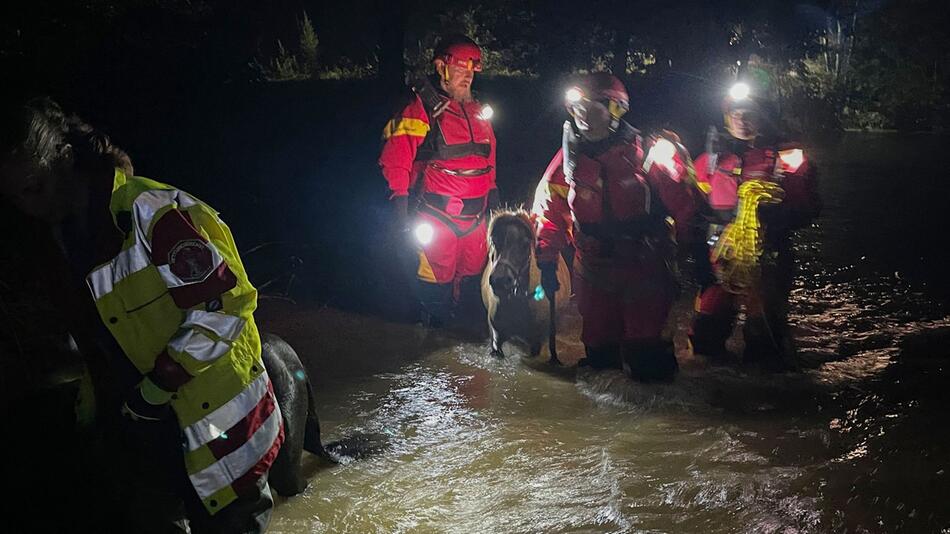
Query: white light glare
point(573, 95)
point(739, 91)
point(662, 152)
point(487, 113)
point(424, 233)
point(792, 159)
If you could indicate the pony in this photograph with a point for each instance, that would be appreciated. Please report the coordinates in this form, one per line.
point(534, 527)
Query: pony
point(511, 284)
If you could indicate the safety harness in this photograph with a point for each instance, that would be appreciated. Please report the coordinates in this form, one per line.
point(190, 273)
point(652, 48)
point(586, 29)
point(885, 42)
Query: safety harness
point(611, 230)
point(434, 150)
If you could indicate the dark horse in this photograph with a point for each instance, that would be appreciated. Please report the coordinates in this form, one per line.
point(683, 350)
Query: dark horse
point(511, 281)
point(301, 425)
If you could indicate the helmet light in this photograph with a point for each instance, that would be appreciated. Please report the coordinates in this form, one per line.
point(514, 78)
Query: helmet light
point(573, 95)
point(739, 91)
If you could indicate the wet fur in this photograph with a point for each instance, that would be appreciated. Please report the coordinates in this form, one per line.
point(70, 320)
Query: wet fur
point(518, 317)
point(301, 425)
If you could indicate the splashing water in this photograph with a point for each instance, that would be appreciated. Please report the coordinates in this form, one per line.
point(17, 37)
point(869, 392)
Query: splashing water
point(856, 441)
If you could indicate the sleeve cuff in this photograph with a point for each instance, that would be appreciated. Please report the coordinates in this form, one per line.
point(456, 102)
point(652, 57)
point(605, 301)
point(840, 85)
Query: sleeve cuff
point(153, 394)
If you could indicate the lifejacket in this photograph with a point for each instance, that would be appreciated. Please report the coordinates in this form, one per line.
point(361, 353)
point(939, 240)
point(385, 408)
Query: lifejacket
point(610, 198)
point(452, 133)
point(457, 132)
point(149, 297)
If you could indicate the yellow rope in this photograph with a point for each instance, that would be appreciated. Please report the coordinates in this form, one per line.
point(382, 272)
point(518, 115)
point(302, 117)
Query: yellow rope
point(740, 245)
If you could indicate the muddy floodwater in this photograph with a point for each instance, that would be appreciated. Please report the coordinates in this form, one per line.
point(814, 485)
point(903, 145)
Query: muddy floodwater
point(856, 441)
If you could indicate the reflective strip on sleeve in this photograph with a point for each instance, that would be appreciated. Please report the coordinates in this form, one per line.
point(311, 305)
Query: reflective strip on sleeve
point(172, 280)
point(131, 260)
point(405, 126)
point(217, 422)
point(224, 326)
point(225, 471)
point(150, 202)
point(559, 190)
point(197, 345)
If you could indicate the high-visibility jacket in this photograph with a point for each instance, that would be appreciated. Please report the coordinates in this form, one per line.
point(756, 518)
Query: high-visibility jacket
point(453, 154)
point(179, 304)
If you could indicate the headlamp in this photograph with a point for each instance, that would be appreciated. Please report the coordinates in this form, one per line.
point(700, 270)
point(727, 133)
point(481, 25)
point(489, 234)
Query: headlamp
point(573, 95)
point(739, 91)
point(791, 160)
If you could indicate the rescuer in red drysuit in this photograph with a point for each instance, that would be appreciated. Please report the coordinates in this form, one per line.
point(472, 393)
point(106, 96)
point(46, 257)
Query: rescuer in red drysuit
point(614, 205)
point(752, 151)
point(441, 149)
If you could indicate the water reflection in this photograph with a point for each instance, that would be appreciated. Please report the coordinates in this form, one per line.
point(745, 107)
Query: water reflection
point(855, 441)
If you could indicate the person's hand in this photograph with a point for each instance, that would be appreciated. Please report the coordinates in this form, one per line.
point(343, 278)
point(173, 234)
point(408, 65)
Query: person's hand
point(137, 409)
point(549, 280)
point(400, 213)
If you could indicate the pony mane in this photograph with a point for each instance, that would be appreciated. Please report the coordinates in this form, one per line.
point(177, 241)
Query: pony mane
point(505, 216)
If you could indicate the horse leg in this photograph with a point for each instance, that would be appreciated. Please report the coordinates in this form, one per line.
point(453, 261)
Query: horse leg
point(535, 349)
point(496, 341)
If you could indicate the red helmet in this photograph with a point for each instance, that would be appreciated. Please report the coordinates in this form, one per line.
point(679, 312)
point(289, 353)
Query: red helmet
point(460, 51)
point(602, 87)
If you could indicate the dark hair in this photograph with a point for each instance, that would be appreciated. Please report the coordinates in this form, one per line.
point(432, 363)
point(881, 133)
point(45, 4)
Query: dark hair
point(41, 131)
point(93, 150)
point(35, 130)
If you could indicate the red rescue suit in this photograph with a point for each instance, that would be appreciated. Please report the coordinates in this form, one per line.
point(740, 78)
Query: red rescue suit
point(616, 215)
point(718, 177)
point(449, 161)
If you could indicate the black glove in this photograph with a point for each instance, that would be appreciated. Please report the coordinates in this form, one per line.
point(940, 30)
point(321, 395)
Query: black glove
point(494, 200)
point(549, 277)
point(400, 213)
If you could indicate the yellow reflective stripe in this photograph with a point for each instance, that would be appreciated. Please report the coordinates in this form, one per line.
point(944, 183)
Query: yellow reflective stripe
point(559, 190)
point(425, 270)
point(405, 126)
point(705, 187)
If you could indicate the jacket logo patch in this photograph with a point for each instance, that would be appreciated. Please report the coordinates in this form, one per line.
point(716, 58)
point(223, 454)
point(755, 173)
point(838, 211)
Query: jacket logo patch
point(191, 260)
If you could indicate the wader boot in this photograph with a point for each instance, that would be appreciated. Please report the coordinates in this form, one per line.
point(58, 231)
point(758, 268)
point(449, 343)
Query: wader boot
point(603, 357)
point(435, 300)
point(708, 336)
point(766, 345)
point(650, 361)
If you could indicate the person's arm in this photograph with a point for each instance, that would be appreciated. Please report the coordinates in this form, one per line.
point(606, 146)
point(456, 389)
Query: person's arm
point(552, 211)
point(200, 282)
point(402, 137)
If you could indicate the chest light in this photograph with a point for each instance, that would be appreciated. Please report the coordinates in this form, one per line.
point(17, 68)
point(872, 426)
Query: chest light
point(424, 233)
point(487, 113)
point(791, 159)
